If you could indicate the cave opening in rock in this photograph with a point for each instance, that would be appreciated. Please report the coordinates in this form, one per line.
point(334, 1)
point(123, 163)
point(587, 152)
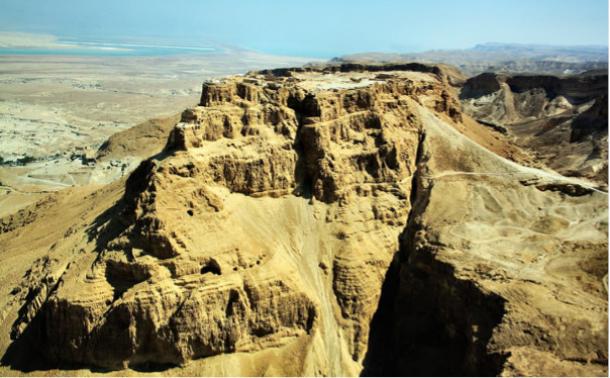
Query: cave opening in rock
point(212, 267)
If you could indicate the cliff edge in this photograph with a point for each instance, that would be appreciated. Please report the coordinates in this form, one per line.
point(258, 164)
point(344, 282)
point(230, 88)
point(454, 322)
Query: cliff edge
point(344, 221)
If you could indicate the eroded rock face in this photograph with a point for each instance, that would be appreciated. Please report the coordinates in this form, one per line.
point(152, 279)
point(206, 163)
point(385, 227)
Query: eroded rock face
point(329, 222)
point(479, 287)
point(168, 287)
point(561, 121)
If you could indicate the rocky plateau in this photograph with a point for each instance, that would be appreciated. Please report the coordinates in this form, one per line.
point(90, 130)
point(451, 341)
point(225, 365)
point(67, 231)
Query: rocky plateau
point(336, 220)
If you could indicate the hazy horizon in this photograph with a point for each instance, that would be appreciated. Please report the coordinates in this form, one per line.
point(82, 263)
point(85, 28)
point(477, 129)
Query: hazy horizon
point(316, 29)
point(19, 43)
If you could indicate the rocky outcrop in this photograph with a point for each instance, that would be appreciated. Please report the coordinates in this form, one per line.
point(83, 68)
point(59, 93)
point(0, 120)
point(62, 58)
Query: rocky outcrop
point(482, 85)
point(158, 273)
point(332, 221)
point(591, 122)
point(578, 88)
point(562, 121)
point(467, 296)
point(141, 141)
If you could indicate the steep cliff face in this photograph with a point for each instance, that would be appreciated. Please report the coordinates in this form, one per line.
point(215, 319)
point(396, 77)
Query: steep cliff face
point(562, 121)
point(486, 287)
point(319, 222)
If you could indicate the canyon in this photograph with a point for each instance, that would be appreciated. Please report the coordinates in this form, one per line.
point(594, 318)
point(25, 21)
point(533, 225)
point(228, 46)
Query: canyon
point(342, 219)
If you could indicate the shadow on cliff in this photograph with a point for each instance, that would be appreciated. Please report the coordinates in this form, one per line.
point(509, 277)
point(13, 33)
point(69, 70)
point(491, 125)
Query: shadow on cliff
point(25, 353)
point(113, 221)
point(304, 177)
point(378, 360)
point(31, 350)
point(429, 323)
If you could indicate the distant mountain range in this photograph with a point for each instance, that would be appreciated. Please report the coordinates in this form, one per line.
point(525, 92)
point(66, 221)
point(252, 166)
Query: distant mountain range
point(501, 57)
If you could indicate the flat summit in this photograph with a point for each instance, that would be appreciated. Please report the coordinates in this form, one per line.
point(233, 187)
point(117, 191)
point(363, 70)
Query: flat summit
point(339, 220)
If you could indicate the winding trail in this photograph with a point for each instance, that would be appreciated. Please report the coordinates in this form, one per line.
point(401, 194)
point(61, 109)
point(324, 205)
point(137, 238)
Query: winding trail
point(525, 175)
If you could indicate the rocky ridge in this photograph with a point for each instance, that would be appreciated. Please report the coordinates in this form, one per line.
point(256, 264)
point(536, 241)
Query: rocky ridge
point(562, 121)
point(321, 222)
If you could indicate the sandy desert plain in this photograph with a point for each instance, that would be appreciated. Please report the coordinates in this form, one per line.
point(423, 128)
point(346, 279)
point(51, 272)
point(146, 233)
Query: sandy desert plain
point(56, 111)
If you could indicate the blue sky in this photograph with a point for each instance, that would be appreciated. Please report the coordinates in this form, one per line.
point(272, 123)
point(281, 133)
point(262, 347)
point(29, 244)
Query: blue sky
point(322, 28)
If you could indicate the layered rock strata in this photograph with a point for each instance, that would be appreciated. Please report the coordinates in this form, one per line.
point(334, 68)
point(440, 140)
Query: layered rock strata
point(316, 222)
point(561, 121)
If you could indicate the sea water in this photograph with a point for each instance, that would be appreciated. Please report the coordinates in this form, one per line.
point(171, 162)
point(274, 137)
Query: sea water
point(105, 49)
